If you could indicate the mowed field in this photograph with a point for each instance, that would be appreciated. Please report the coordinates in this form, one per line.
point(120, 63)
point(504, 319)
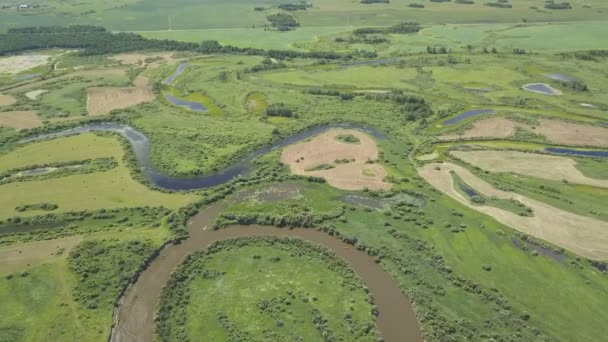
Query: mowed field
point(114, 188)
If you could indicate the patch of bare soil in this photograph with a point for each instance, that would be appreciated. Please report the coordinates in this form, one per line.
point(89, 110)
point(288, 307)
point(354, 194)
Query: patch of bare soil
point(487, 128)
point(529, 164)
point(6, 100)
point(20, 120)
point(103, 100)
point(567, 133)
point(347, 166)
point(583, 235)
point(23, 256)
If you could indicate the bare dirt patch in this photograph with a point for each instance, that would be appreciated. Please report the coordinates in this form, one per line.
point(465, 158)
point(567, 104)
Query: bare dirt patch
point(6, 100)
point(487, 128)
point(318, 157)
point(23, 256)
point(583, 235)
point(16, 64)
point(20, 120)
point(103, 100)
point(530, 164)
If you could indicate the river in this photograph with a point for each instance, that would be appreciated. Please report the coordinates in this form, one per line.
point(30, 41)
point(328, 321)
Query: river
point(141, 147)
point(134, 317)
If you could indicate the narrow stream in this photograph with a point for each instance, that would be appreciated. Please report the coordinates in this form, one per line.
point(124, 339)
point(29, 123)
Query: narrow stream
point(134, 318)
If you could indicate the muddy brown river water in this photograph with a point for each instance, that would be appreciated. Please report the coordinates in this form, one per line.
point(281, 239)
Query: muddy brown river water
point(134, 319)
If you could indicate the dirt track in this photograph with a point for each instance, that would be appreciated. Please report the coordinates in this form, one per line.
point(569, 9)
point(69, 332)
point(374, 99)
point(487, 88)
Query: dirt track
point(530, 164)
point(325, 149)
point(585, 236)
point(135, 316)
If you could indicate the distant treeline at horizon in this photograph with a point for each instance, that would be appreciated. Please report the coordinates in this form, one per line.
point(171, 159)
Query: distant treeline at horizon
point(95, 40)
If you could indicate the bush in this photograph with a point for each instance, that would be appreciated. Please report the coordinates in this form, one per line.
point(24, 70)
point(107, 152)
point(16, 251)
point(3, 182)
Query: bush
point(279, 109)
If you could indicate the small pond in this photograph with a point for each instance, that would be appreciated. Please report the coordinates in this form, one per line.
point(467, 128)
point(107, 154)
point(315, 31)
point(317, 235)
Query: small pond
point(541, 88)
point(195, 106)
point(584, 153)
point(560, 77)
point(468, 114)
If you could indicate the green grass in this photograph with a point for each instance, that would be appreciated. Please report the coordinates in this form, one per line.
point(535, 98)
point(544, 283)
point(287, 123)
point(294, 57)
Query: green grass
point(579, 199)
point(48, 301)
point(476, 198)
point(114, 188)
point(256, 102)
point(593, 167)
point(308, 280)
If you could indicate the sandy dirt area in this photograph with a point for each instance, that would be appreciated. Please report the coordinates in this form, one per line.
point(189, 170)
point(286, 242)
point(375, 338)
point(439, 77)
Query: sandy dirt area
point(18, 258)
point(325, 149)
point(16, 64)
point(487, 128)
point(20, 120)
point(103, 100)
point(6, 100)
point(529, 164)
point(33, 95)
point(562, 132)
point(583, 235)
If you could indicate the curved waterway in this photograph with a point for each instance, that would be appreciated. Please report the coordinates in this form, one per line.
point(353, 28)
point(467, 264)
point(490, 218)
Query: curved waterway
point(141, 148)
point(134, 318)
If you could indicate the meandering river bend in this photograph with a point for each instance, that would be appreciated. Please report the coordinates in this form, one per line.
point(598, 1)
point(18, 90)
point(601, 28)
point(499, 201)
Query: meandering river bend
point(141, 147)
point(134, 318)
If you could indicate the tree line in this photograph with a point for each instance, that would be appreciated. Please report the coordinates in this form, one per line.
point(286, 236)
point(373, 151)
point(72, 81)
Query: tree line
point(94, 40)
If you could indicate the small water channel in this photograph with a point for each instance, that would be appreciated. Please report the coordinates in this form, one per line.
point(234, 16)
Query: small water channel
point(141, 147)
point(584, 153)
point(374, 62)
point(180, 70)
point(468, 114)
point(191, 105)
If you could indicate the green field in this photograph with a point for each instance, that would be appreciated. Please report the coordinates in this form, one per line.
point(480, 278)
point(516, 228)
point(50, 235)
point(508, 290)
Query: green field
point(296, 284)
